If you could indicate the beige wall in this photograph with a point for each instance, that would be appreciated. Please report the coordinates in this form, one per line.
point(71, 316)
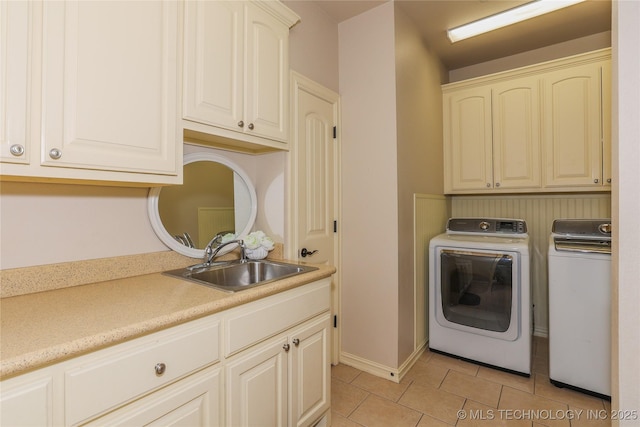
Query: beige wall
point(369, 187)
point(419, 74)
point(391, 149)
point(626, 206)
point(52, 223)
point(313, 44)
point(556, 51)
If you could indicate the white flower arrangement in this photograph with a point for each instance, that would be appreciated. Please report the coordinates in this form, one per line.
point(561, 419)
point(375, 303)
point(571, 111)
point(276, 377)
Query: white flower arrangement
point(258, 244)
point(227, 238)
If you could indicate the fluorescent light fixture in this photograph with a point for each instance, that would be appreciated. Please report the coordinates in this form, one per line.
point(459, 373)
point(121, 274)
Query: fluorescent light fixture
point(508, 17)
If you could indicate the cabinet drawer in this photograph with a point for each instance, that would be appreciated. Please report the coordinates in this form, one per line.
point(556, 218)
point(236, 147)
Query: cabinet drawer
point(258, 321)
point(109, 378)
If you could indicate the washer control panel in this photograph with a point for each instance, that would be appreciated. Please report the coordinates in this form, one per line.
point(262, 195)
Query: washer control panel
point(487, 225)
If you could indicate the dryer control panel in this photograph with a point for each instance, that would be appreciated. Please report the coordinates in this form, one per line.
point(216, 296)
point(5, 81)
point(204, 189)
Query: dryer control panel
point(487, 226)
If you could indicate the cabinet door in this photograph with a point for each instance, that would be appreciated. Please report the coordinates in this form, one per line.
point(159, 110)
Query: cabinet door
point(267, 65)
point(606, 123)
point(27, 402)
point(257, 387)
point(193, 402)
point(110, 86)
point(15, 74)
point(213, 68)
point(310, 372)
point(516, 134)
point(571, 123)
point(468, 140)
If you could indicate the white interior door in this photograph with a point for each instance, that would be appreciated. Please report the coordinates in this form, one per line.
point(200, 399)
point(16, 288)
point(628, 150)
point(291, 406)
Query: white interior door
point(313, 182)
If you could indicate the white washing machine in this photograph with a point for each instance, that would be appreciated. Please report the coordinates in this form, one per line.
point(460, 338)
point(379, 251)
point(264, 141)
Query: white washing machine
point(480, 293)
point(580, 305)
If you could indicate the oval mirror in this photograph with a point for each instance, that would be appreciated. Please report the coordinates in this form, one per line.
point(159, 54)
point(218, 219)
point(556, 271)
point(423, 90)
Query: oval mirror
point(216, 197)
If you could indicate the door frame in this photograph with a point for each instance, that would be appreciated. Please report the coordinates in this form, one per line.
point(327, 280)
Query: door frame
point(299, 82)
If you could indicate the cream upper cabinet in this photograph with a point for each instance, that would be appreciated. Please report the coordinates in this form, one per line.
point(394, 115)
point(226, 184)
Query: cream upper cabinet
point(539, 128)
point(15, 79)
point(572, 126)
point(104, 103)
point(468, 153)
point(606, 124)
point(492, 137)
point(214, 64)
point(516, 134)
point(236, 72)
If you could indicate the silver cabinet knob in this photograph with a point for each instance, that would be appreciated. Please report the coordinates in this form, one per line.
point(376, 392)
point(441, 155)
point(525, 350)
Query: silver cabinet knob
point(55, 153)
point(608, 180)
point(241, 124)
point(488, 185)
point(250, 126)
point(16, 150)
point(286, 347)
point(497, 184)
point(595, 181)
point(296, 342)
point(604, 228)
point(160, 368)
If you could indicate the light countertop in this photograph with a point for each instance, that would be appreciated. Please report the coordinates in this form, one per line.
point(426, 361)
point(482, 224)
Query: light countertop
point(43, 328)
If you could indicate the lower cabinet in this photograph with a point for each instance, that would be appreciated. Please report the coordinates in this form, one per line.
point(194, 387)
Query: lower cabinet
point(284, 381)
point(194, 402)
point(214, 371)
point(27, 400)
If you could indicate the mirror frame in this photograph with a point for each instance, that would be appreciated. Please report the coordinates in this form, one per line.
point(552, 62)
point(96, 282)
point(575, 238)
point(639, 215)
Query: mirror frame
point(161, 231)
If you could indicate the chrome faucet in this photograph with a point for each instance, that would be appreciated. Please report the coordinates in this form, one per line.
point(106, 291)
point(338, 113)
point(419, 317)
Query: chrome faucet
point(213, 248)
point(210, 253)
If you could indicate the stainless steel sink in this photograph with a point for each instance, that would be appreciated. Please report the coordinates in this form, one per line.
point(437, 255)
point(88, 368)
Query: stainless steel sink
point(236, 276)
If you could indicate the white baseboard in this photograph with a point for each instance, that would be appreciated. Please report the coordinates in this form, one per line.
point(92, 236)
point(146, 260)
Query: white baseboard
point(408, 364)
point(370, 367)
point(373, 368)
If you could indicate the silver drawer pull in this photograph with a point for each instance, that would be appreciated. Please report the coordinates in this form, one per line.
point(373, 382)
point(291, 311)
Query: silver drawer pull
point(160, 368)
point(55, 153)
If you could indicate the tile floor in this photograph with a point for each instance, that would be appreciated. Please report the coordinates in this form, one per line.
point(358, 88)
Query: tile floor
point(442, 391)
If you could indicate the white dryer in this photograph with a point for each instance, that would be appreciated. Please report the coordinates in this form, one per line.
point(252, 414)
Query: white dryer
point(580, 305)
point(480, 293)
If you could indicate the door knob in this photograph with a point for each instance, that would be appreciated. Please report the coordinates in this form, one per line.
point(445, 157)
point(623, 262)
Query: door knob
point(305, 253)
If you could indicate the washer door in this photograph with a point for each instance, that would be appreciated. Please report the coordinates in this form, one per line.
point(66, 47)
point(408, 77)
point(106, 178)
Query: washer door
point(478, 292)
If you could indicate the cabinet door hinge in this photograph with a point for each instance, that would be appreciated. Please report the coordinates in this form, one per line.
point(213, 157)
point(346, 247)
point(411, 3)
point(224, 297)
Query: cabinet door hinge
point(335, 132)
point(335, 226)
point(335, 320)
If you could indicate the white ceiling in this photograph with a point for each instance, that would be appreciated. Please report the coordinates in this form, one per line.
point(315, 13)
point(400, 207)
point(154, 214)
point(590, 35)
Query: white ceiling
point(433, 17)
